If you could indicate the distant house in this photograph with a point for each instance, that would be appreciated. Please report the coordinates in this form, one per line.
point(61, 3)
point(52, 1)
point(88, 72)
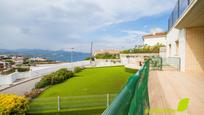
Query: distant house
point(3, 57)
point(4, 65)
point(18, 59)
point(113, 52)
point(38, 59)
point(153, 39)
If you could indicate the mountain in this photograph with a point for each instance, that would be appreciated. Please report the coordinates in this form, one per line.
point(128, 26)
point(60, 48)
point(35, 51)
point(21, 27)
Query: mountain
point(59, 55)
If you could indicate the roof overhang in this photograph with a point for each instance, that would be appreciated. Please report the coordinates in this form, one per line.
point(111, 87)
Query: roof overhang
point(193, 16)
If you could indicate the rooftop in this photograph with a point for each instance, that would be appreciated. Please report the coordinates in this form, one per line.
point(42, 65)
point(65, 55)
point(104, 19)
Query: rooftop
point(107, 51)
point(159, 34)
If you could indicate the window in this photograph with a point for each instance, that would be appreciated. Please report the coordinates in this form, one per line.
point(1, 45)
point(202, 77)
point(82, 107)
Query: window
point(177, 48)
point(169, 50)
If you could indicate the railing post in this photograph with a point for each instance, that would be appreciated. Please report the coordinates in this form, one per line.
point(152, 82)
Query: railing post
point(58, 103)
point(107, 100)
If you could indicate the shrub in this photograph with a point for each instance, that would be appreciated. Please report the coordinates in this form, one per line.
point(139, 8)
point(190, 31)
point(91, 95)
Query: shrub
point(41, 84)
point(107, 56)
point(78, 69)
point(130, 70)
point(23, 69)
point(33, 93)
point(13, 105)
point(144, 49)
point(12, 70)
point(54, 78)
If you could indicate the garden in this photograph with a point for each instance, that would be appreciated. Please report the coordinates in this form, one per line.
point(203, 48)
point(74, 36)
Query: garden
point(85, 92)
point(88, 91)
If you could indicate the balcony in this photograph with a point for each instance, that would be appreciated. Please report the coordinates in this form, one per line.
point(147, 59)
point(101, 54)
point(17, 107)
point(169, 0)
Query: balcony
point(179, 9)
point(187, 14)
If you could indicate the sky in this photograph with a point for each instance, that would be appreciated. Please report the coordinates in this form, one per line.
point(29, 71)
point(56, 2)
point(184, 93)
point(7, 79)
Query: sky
point(63, 24)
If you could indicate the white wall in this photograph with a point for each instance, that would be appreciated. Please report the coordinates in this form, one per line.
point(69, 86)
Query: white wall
point(135, 58)
point(154, 40)
point(9, 79)
point(173, 36)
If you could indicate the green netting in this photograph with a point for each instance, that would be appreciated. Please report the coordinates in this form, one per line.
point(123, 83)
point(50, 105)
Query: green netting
point(133, 99)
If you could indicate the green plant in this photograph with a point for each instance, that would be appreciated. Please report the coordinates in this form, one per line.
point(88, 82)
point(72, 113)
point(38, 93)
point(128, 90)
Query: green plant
point(33, 93)
point(130, 70)
point(23, 69)
point(10, 61)
point(54, 78)
point(12, 70)
point(42, 83)
point(144, 49)
point(107, 56)
point(78, 69)
point(13, 105)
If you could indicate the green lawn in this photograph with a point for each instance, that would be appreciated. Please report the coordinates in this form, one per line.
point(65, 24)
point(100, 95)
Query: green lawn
point(92, 81)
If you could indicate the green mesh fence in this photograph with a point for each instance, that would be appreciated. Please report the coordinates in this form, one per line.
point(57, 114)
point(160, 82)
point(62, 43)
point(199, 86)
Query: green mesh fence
point(156, 63)
point(133, 99)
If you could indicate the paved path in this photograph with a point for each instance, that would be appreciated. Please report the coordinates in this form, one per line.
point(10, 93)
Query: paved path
point(167, 88)
point(21, 88)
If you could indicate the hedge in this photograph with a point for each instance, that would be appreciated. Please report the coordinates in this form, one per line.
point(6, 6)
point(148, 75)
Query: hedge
point(23, 69)
point(13, 105)
point(130, 70)
point(78, 69)
point(54, 78)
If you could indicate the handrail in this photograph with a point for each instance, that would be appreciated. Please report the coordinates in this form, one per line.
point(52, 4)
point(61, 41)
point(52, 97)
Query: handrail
point(133, 99)
point(177, 12)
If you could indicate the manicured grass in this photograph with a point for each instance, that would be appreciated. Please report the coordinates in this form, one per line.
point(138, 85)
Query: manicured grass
point(92, 81)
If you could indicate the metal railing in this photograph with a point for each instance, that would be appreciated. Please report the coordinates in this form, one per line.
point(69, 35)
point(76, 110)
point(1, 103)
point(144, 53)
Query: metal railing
point(70, 103)
point(156, 63)
point(133, 99)
point(177, 12)
point(173, 62)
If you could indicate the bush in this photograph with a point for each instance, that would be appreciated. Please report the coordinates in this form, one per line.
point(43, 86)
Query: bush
point(130, 70)
point(23, 69)
point(107, 56)
point(13, 105)
point(54, 78)
point(41, 84)
point(78, 69)
point(7, 72)
point(33, 93)
point(144, 49)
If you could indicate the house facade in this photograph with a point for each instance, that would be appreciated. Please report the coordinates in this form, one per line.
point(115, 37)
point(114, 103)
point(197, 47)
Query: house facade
point(185, 37)
point(155, 38)
point(113, 52)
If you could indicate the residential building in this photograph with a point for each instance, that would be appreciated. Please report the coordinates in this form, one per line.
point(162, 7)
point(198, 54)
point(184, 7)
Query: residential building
point(185, 37)
point(113, 52)
point(38, 59)
point(18, 59)
point(4, 65)
point(155, 38)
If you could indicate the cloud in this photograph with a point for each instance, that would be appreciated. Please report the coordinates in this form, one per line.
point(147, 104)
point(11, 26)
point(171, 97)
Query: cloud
point(51, 24)
point(155, 30)
point(129, 40)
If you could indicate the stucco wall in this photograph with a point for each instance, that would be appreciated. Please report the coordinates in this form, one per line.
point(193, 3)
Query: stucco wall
point(195, 49)
point(180, 36)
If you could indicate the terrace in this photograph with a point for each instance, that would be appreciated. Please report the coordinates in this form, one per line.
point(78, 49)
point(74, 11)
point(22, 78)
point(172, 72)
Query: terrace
point(167, 88)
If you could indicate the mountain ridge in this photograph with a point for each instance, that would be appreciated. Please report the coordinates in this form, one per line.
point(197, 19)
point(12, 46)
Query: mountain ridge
point(57, 55)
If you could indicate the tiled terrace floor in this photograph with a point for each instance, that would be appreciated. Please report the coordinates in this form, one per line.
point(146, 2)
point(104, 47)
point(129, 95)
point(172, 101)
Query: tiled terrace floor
point(166, 88)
